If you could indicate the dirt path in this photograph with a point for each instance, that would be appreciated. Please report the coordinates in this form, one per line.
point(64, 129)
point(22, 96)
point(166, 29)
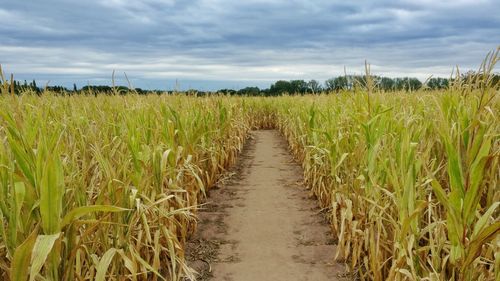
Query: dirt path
point(262, 225)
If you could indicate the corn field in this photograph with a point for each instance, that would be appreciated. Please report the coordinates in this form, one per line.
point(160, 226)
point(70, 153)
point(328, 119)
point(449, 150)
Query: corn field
point(107, 187)
point(93, 188)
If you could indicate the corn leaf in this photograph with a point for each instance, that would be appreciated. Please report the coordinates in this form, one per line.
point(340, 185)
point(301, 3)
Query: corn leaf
point(41, 249)
point(104, 263)
point(77, 213)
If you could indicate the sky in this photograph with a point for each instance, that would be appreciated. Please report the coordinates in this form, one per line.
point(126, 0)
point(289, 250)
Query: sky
point(213, 44)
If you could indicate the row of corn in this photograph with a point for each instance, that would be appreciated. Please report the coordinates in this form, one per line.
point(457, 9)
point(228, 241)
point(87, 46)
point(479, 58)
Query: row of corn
point(411, 181)
point(105, 188)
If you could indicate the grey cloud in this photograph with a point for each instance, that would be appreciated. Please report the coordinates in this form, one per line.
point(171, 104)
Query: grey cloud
point(242, 42)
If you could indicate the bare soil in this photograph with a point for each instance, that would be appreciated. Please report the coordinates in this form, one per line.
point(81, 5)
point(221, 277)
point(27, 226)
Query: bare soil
point(262, 224)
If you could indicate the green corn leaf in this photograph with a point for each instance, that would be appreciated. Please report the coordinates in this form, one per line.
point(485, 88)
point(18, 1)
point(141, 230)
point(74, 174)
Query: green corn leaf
point(476, 178)
point(455, 174)
point(23, 161)
point(454, 231)
point(20, 192)
point(104, 263)
point(51, 195)
point(342, 158)
point(483, 220)
point(77, 213)
point(3, 232)
point(483, 237)
point(19, 269)
point(408, 221)
point(41, 249)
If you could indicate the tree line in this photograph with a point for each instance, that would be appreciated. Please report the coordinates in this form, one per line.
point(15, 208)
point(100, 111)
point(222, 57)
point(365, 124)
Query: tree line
point(336, 84)
point(341, 83)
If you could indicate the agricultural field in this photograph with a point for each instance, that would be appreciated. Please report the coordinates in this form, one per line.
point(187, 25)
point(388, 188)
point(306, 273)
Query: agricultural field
point(107, 187)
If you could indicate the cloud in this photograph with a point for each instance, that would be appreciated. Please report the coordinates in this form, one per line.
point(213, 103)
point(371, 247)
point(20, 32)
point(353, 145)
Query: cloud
point(221, 42)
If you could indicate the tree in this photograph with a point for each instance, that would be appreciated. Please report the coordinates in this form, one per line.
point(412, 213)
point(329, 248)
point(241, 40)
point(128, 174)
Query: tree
point(336, 83)
point(330, 84)
point(495, 81)
point(438, 83)
point(249, 91)
point(230, 92)
point(280, 87)
point(57, 89)
point(386, 84)
point(414, 84)
point(314, 86)
point(407, 84)
point(341, 83)
point(298, 87)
